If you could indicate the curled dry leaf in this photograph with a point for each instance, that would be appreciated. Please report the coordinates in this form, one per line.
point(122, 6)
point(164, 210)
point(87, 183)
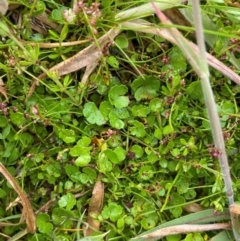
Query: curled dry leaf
point(235, 208)
point(193, 208)
point(95, 207)
point(3, 92)
point(3, 89)
point(27, 208)
point(3, 6)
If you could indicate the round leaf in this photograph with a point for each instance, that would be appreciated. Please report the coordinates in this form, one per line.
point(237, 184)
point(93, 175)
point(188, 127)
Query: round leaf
point(92, 114)
point(121, 41)
point(83, 160)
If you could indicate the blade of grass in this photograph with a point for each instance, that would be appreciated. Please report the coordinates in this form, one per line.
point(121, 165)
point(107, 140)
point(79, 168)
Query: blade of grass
point(145, 10)
point(213, 116)
point(222, 236)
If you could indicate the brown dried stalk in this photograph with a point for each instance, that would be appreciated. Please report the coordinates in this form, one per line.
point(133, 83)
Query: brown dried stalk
point(27, 208)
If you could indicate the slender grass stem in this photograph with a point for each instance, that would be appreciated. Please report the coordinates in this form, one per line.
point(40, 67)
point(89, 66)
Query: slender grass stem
point(213, 115)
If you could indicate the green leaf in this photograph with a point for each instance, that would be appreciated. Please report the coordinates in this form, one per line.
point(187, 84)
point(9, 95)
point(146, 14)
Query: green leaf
point(2, 193)
point(84, 178)
point(145, 173)
point(67, 81)
point(152, 157)
point(91, 173)
point(194, 236)
point(55, 36)
point(92, 114)
point(175, 152)
point(8, 150)
point(25, 138)
point(194, 90)
point(57, 14)
point(121, 41)
point(104, 165)
point(67, 135)
point(227, 107)
point(54, 169)
point(121, 153)
point(43, 224)
point(115, 121)
point(148, 222)
point(112, 156)
point(140, 111)
point(81, 148)
point(167, 130)
point(39, 8)
point(137, 128)
point(5, 132)
point(3, 121)
point(176, 199)
point(155, 105)
point(112, 61)
point(67, 201)
point(17, 118)
point(175, 237)
point(163, 162)
point(105, 108)
point(158, 133)
point(62, 217)
point(68, 185)
point(113, 211)
point(84, 141)
point(4, 29)
point(145, 87)
point(137, 150)
point(178, 61)
point(64, 32)
point(116, 97)
point(190, 194)
point(121, 113)
point(83, 160)
point(71, 170)
point(182, 186)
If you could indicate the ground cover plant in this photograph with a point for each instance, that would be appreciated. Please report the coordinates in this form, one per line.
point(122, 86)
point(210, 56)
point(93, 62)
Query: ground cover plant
point(104, 129)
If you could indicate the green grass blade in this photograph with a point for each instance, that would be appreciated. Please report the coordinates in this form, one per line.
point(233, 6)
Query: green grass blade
point(145, 10)
point(222, 236)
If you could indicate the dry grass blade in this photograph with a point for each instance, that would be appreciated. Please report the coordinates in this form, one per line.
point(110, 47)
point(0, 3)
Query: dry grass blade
point(185, 228)
point(146, 27)
point(27, 208)
point(56, 45)
point(3, 89)
point(85, 57)
point(3, 6)
point(88, 71)
point(95, 207)
point(193, 208)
